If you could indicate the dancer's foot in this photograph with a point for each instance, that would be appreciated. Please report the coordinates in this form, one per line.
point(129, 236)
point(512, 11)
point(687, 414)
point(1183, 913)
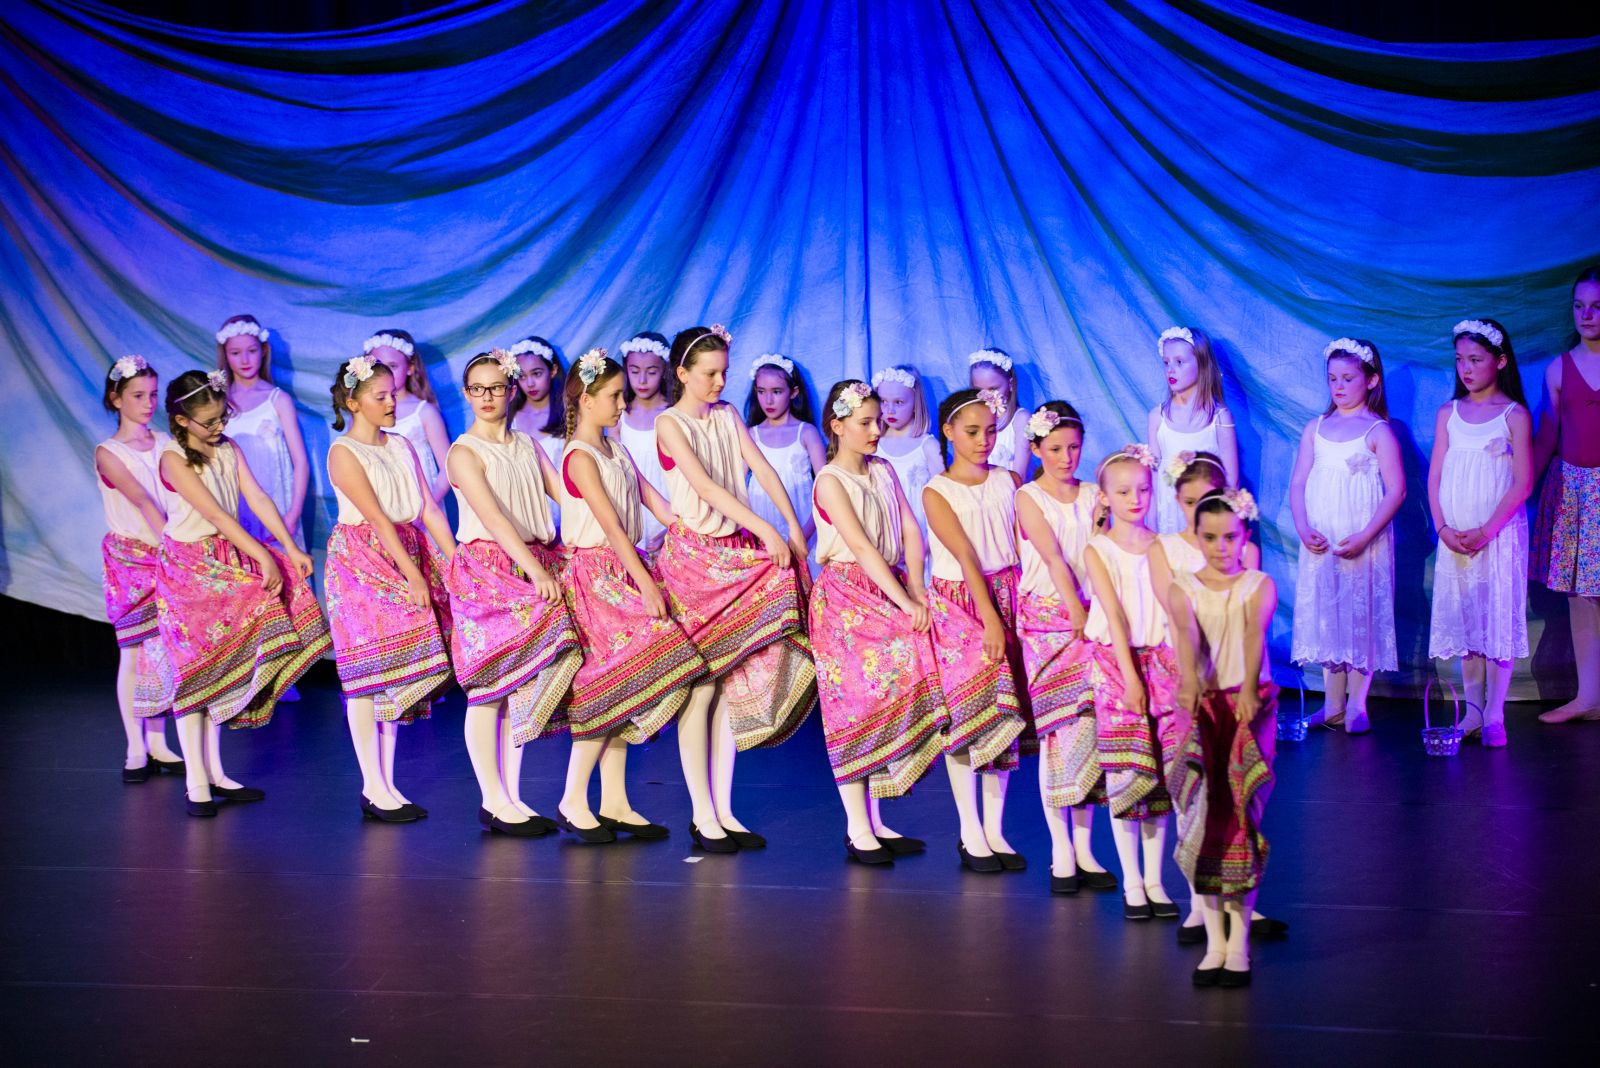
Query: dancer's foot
point(1326, 717)
point(1357, 722)
point(1494, 735)
point(1572, 710)
point(1472, 722)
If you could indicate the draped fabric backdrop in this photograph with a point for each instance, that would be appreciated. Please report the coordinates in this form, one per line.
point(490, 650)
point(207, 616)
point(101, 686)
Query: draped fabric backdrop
point(853, 183)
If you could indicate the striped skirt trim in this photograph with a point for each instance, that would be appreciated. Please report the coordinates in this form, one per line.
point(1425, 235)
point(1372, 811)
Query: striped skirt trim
point(1136, 747)
point(1221, 781)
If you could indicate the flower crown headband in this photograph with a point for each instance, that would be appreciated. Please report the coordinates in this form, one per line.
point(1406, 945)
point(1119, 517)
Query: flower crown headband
point(591, 365)
point(640, 343)
point(503, 360)
point(1138, 452)
point(850, 398)
point(992, 398)
point(994, 356)
point(538, 348)
point(357, 370)
point(1180, 463)
point(772, 359)
point(1350, 346)
point(895, 375)
point(1482, 329)
point(1044, 421)
point(127, 367)
point(242, 326)
point(388, 341)
point(717, 330)
point(216, 382)
point(1174, 333)
point(1239, 501)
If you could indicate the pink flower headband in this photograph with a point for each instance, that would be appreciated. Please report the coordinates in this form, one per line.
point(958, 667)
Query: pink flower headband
point(1241, 503)
point(992, 398)
point(216, 382)
point(1138, 452)
point(1044, 421)
point(850, 398)
point(127, 367)
point(1180, 463)
point(717, 330)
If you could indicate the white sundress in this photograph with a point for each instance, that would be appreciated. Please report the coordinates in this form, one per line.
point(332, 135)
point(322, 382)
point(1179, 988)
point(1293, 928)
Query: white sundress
point(793, 465)
point(1169, 443)
point(641, 446)
point(259, 435)
point(410, 427)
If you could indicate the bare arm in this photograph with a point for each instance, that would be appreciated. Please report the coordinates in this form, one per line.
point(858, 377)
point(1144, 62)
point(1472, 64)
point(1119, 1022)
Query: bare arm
point(433, 517)
point(1186, 644)
point(185, 482)
point(1387, 448)
point(1036, 528)
point(1228, 446)
point(659, 506)
point(115, 472)
point(944, 524)
point(1520, 424)
point(299, 463)
point(675, 444)
point(933, 457)
point(1151, 423)
point(1257, 621)
point(818, 455)
point(1134, 698)
point(1311, 538)
point(467, 475)
point(350, 478)
point(1441, 445)
point(911, 537)
point(1021, 455)
point(265, 510)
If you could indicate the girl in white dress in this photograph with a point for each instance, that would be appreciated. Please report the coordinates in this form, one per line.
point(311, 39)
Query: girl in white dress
point(1347, 486)
point(263, 423)
point(993, 369)
point(647, 389)
point(538, 409)
point(907, 443)
point(416, 414)
point(778, 412)
point(1479, 478)
point(1192, 418)
point(1192, 476)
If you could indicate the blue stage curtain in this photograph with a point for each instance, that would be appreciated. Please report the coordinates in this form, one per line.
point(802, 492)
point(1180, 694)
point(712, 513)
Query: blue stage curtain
point(856, 184)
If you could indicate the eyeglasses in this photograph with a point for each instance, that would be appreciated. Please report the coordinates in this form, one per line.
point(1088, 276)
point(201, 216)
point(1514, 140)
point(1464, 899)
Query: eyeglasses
point(476, 391)
point(214, 424)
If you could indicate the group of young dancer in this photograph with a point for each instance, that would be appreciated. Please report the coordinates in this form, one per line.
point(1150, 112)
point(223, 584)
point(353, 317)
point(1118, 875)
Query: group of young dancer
point(632, 554)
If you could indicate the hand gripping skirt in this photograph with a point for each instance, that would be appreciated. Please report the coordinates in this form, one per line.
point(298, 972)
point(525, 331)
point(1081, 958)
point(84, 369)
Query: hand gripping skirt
point(986, 698)
point(1221, 781)
point(878, 683)
point(1060, 671)
point(1136, 748)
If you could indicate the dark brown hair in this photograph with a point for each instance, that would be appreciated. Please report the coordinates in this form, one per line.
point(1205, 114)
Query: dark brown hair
point(576, 388)
point(342, 393)
point(115, 386)
point(1508, 378)
point(187, 394)
point(828, 435)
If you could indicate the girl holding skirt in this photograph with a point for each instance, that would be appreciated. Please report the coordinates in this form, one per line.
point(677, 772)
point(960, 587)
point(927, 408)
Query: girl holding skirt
point(239, 623)
point(638, 665)
point(877, 678)
point(387, 605)
point(972, 531)
point(734, 586)
point(1056, 517)
point(513, 645)
point(1226, 714)
point(126, 467)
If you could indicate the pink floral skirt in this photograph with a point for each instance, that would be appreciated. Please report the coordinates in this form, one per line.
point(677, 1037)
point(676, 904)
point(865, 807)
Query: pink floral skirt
point(1136, 747)
point(1060, 670)
point(986, 698)
point(1221, 781)
point(130, 587)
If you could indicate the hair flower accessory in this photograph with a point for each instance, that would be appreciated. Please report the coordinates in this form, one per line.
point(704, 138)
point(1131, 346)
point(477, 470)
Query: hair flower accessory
point(1174, 333)
point(772, 359)
point(994, 400)
point(1482, 329)
point(216, 381)
point(357, 370)
point(127, 367)
point(1042, 422)
point(850, 398)
point(590, 365)
point(1352, 347)
point(994, 356)
point(1141, 454)
point(895, 375)
point(507, 363)
point(388, 341)
point(640, 343)
point(538, 348)
point(1242, 503)
point(242, 326)
point(721, 331)
point(1176, 466)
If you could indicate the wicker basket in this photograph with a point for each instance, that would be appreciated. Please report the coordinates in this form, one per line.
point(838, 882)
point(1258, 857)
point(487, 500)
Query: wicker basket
point(1442, 741)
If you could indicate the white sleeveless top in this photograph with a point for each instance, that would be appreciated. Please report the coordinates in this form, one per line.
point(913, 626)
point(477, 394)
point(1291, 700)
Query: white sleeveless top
point(1169, 443)
point(1182, 557)
point(258, 435)
point(988, 515)
point(392, 474)
point(911, 468)
point(220, 476)
point(877, 507)
point(641, 446)
point(715, 441)
point(793, 465)
point(620, 480)
point(1477, 469)
point(1073, 526)
point(410, 427)
point(1011, 439)
point(512, 471)
point(1130, 578)
point(1220, 614)
point(122, 517)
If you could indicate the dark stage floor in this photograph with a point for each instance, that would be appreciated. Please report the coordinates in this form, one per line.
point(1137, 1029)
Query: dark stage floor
point(1440, 909)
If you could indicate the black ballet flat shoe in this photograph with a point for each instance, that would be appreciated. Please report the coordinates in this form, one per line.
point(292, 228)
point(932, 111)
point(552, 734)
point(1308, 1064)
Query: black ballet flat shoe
point(588, 835)
point(421, 812)
point(904, 847)
point(646, 832)
point(1164, 910)
point(166, 767)
point(1207, 976)
point(238, 793)
point(867, 856)
point(532, 827)
point(1136, 912)
point(1192, 936)
point(137, 775)
point(1264, 927)
point(1065, 884)
point(989, 865)
point(1097, 880)
point(1233, 980)
point(747, 839)
point(713, 845)
point(369, 811)
point(203, 809)
point(1012, 861)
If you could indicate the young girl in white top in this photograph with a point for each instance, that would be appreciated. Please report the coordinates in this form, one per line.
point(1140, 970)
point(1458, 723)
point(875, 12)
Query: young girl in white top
point(514, 648)
point(1135, 674)
point(1480, 476)
point(1192, 475)
point(239, 622)
point(1226, 710)
point(1056, 517)
point(416, 414)
point(647, 389)
point(877, 679)
point(263, 423)
point(387, 606)
point(992, 369)
point(1348, 484)
point(972, 533)
point(125, 466)
point(907, 442)
point(1192, 418)
point(734, 587)
point(638, 665)
point(778, 413)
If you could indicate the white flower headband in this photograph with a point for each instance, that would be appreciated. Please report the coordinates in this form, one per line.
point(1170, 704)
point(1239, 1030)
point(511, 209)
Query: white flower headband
point(1042, 422)
point(639, 343)
point(127, 367)
point(357, 370)
point(772, 359)
point(994, 356)
point(1241, 503)
point(895, 375)
point(538, 348)
point(590, 365)
point(1180, 463)
point(242, 326)
point(850, 398)
point(1482, 329)
point(993, 399)
point(1174, 333)
point(388, 341)
point(1353, 347)
point(1138, 452)
point(216, 382)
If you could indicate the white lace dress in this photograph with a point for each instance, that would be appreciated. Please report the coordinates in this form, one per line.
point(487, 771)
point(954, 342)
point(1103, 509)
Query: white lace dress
point(410, 427)
point(1480, 603)
point(793, 465)
point(1170, 442)
point(1344, 609)
point(641, 446)
point(259, 435)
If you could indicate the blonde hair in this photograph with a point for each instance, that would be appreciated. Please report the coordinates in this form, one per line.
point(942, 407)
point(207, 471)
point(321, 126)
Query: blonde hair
point(265, 373)
point(1208, 382)
point(920, 422)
